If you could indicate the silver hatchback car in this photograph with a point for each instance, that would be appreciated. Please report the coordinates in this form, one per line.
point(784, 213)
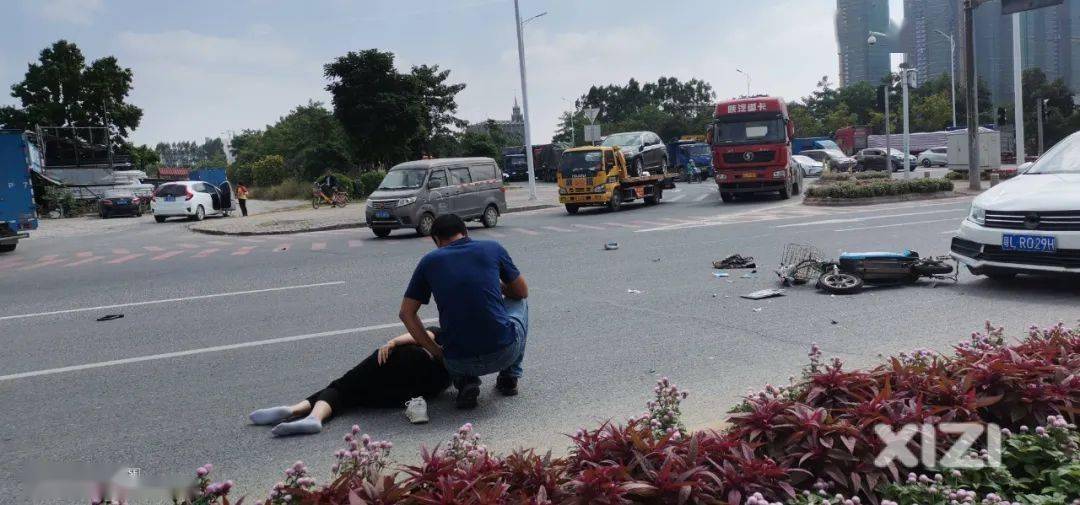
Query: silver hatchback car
point(414, 193)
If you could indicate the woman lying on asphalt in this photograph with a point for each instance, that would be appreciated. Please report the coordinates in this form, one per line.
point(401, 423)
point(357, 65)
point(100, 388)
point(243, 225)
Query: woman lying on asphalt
point(399, 372)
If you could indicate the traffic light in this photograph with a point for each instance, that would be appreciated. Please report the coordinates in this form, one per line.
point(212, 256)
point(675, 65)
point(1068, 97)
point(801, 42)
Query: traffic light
point(1001, 116)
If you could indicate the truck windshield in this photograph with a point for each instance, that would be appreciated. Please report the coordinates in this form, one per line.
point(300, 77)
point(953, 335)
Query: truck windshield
point(585, 163)
point(737, 132)
point(696, 149)
point(404, 178)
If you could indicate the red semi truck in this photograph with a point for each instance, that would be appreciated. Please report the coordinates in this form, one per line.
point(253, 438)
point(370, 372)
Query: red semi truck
point(751, 147)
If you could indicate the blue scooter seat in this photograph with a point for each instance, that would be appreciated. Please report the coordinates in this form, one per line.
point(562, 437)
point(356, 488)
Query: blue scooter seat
point(906, 254)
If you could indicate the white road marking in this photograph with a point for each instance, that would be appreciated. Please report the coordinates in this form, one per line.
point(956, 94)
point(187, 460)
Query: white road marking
point(675, 198)
point(720, 220)
point(243, 251)
point(589, 227)
point(949, 232)
point(204, 350)
point(171, 300)
point(866, 218)
point(124, 259)
point(84, 261)
point(701, 197)
point(556, 228)
point(318, 246)
point(153, 248)
point(525, 231)
point(895, 225)
point(356, 243)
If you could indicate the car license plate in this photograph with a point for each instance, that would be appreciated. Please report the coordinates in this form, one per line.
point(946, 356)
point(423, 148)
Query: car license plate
point(750, 175)
point(170, 198)
point(382, 214)
point(1029, 243)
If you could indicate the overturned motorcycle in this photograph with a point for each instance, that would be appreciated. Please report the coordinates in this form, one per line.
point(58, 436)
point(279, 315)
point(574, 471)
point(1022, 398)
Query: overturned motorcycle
point(801, 263)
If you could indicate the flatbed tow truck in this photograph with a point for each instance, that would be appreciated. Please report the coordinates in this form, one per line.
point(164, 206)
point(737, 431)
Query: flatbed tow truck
point(596, 176)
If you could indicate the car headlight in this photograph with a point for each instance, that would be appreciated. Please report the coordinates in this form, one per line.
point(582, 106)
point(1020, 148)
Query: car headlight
point(721, 177)
point(370, 204)
point(406, 201)
point(779, 174)
point(977, 215)
point(562, 191)
point(599, 189)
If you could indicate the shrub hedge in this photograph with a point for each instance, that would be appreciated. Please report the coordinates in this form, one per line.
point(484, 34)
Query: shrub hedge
point(369, 182)
point(810, 442)
point(876, 187)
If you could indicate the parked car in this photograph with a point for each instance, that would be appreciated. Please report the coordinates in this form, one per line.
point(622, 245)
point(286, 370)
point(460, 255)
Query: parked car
point(898, 157)
point(644, 151)
point(1029, 223)
point(119, 202)
point(191, 199)
point(414, 193)
point(934, 156)
point(831, 159)
point(809, 166)
point(873, 158)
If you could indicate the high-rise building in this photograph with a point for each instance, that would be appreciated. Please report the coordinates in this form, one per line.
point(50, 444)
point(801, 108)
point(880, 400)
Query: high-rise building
point(927, 50)
point(859, 61)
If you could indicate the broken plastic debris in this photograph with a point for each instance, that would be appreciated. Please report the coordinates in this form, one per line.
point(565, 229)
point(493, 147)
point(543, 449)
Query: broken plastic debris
point(735, 261)
point(763, 293)
point(110, 317)
point(634, 291)
point(720, 274)
point(747, 276)
point(611, 246)
point(758, 309)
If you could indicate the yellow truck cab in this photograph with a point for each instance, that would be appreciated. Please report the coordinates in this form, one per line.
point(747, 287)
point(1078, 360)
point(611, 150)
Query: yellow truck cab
point(597, 176)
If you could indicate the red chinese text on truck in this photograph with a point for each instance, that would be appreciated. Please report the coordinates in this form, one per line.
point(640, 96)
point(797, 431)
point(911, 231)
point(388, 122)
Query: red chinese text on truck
point(751, 148)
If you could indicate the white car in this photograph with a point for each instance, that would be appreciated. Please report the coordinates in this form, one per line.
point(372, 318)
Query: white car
point(934, 156)
point(809, 166)
point(192, 200)
point(1027, 224)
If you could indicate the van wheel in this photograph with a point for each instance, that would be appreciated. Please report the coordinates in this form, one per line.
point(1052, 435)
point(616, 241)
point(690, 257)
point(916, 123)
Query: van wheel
point(200, 213)
point(490, 217)
point(381, 232)
point(160, 219)
point(426, 222)
point(727, 196)
point(572, 209)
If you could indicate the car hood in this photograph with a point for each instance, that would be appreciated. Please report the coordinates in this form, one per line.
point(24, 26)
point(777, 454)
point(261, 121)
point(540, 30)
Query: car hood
point(1037, 192)
point(392, 194)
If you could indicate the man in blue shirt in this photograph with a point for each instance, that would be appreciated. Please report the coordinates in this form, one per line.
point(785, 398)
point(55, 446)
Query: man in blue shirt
point(482, 311)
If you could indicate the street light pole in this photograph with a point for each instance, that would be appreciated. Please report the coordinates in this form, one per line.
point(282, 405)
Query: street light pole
point(1018, 92)
point(905, 74)
point(1040, 109)
point(888, 138)
point(747, 81)
point(974, 181)
point(952, 72)
point(525, 103)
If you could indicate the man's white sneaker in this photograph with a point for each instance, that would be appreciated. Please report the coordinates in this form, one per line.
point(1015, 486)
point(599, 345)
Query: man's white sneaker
point(416, 410)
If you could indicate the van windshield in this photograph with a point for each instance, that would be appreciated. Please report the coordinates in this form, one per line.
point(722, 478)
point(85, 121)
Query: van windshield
point(403, 178)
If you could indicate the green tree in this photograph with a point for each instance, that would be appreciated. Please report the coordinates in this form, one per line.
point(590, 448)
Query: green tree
point(144, 158)
point(1059, 109)
point(61, 90)
point(268, 170)
point(931, 113)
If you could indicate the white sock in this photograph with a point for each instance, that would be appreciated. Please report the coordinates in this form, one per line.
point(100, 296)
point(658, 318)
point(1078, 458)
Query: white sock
point(270, 415)
point(306, 426)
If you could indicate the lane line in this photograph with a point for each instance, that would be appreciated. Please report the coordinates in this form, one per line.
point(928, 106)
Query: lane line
point(589, 227)
point(165, 256)
point(121, 252)
point(204, 350)
point(318, 246)
point(218, 242)
point(867, 218)
point(243, 251)
point(702, 197)
point(40, 264)
point(949, 232)
point(10, 265)
point(186, 245)
point(719, 220)
point(171, 300)
point(84, 261)
point(895, 225)
point(124, 259)
point(556, 228)
point(205, 252)
point(356, 243)
point(84, 254)
point(622, 225)
point(647, 223)
point(153, 248)
point(675, 198)
point(525, 231)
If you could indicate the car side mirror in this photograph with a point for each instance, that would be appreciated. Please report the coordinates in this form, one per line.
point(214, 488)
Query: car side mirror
point(709, 132)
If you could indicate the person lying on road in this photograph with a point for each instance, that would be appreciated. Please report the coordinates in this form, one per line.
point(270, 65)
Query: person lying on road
point(482, 311)
point(399, 372)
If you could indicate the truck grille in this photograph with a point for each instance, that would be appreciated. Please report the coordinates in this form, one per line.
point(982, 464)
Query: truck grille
point(1066, 258)
point(383, 204)
point(759, 157)
point(1068, 220)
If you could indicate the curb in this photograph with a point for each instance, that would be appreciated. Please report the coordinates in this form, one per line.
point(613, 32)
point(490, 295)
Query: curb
point(874, 200)
point(343, 226)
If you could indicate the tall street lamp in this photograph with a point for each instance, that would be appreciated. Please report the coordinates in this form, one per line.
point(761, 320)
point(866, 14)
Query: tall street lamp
point(906, 76)
point(952, 72)
point(739, 70)
point(525, 97)
point(572, 138)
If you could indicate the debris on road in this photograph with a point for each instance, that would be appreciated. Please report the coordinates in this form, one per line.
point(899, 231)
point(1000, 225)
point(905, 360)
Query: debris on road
point(611, 246)
point(763, 293)
point(720, 274)
point(834, 322)
point(634, 291)
point(758, 309)
point(110, 317)
point(747, 276)
point(656, 260)
point(735, 261)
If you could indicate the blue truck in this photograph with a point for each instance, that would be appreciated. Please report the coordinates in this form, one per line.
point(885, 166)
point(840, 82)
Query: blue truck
point(682, 151)
point(807, 143)
point(19, 158)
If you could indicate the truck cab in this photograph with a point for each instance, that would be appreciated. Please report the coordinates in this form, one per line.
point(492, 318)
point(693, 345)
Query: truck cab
point(597, 176)
point(750, 140)
point(19, 158)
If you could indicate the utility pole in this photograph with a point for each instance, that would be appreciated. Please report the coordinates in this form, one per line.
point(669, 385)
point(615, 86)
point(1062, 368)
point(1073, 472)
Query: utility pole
point(952, 72)
point(974, 181)
point(525, 104)
point(888, 91)
point(905, 74)
point(1040, 110)
point(739, 70)
point(1018, 92)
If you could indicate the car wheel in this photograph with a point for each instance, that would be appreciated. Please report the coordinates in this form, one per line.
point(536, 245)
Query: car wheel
point(426, 222)
point(926, 162)
point(6, 248)
point(727, 196)
point(490, 217)
point(103, 215)
point(785, 192)
point(664, 165)
point(200, 213)
point(639, 167)
point(160, 219)
point(381, 232)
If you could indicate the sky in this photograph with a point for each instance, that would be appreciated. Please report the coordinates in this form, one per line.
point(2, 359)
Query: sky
point(203, 68)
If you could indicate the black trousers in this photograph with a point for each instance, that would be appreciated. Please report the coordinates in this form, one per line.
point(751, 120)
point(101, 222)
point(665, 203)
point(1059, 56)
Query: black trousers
point(243, 206)
point(408, 373)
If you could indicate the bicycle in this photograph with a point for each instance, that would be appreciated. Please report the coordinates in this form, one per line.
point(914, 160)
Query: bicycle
point(318, 197)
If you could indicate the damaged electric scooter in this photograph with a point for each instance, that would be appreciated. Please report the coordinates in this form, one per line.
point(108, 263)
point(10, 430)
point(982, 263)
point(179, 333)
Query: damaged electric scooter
point(801, 263)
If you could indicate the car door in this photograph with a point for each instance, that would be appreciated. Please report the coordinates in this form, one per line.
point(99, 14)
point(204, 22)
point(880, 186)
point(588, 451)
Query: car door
point(464, 201)
point(487, 185)
point(873, 159)
point(439, 192)
point(656, 152)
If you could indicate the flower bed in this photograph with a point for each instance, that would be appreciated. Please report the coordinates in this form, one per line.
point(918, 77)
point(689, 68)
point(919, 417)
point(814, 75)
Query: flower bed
point(868, 188)
point(810, 442)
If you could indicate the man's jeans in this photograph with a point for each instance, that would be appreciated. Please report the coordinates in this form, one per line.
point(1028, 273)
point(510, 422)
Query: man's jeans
point(506, 361)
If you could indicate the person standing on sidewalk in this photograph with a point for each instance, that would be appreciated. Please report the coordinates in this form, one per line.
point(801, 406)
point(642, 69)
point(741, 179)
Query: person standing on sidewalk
point(482, 310)
point(241, 197)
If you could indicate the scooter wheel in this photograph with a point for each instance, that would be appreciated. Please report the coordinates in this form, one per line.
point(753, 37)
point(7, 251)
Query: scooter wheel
point(840, 283)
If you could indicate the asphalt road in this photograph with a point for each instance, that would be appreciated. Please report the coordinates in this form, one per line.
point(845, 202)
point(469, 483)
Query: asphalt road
point(215, 327)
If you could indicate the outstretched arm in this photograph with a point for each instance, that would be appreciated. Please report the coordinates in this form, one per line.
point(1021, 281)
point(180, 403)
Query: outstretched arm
point(410, 316)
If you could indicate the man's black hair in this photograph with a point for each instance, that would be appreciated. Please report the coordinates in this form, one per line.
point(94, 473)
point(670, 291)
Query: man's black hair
point(447, 226)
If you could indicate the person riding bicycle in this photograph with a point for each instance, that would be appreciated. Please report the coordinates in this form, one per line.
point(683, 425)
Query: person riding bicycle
point(328, 186)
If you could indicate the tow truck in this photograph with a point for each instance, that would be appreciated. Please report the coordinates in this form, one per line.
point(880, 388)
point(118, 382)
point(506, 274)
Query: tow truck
point(596, 176)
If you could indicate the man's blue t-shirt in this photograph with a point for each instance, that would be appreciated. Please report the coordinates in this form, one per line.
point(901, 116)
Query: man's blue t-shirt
point(464, 277)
